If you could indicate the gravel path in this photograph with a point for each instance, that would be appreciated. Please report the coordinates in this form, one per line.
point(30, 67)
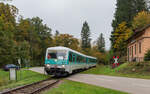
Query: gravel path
point(130, 85)
point(38, 69)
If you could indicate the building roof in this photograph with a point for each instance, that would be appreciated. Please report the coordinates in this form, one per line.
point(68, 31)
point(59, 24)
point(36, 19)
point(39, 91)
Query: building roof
point(68, 49)
point(137, 31)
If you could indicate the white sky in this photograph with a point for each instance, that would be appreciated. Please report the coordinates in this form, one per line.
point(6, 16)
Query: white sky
point(67, 16)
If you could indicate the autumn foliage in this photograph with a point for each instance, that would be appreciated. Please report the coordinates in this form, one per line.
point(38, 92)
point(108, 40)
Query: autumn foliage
point(141, 19)
point(121, 34)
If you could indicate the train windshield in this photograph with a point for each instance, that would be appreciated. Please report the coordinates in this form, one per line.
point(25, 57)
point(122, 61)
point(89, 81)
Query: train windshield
point(56, 55)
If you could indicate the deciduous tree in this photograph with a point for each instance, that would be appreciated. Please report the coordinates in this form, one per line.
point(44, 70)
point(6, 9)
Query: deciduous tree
point(141, 19)
point(121, 34)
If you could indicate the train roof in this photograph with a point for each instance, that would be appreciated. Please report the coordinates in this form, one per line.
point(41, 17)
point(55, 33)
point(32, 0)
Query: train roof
point(68, 49)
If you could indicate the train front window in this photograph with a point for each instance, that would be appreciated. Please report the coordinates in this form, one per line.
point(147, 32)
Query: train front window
point(52, 55)
point(61, 55)
point(56, 55)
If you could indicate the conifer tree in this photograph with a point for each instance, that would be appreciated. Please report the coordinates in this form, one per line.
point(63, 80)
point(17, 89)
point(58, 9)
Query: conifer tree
point(101, 43)
point(125, 12)
point(85, 36)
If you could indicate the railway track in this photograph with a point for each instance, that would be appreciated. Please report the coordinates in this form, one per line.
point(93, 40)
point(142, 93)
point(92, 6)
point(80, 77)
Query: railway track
point(34, 88)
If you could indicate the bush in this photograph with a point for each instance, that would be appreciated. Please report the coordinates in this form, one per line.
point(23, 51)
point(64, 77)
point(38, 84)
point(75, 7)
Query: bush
point(147, 56)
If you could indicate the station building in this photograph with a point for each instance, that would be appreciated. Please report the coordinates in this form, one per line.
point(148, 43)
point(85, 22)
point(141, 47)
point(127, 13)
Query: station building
point(138, 44)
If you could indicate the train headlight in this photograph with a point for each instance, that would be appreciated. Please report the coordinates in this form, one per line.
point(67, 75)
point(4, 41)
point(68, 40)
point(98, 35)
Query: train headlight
point(48, 65)
point(63, 66)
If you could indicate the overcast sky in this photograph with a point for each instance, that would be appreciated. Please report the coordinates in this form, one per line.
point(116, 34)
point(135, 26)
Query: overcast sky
point(67, 16)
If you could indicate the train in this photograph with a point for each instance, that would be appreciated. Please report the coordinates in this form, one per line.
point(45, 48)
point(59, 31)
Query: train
point(62, 61)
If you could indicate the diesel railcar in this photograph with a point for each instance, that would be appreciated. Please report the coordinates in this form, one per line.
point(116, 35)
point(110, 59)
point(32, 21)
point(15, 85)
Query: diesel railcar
point(63, 61)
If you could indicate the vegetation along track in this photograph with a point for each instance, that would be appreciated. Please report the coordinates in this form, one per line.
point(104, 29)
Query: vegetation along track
point(34, 88)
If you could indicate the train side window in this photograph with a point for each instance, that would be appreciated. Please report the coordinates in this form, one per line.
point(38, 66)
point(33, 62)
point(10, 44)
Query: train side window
point(74, 58)
point(87, 60)
point(79, 58)
point(84, 60)
point(70, 57)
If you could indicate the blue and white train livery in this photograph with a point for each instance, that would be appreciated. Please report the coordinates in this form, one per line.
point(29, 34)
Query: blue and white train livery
point(63, 61)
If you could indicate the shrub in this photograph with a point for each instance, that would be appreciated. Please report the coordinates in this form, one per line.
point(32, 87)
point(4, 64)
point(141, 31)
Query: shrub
point(147, 56)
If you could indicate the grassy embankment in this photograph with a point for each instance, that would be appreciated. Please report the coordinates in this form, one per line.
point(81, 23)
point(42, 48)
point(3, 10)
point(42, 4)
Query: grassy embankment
point(134, 70)
point(23, 77)
point(71, 87)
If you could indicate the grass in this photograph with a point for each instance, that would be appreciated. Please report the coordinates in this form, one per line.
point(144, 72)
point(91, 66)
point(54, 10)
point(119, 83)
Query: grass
point(23, 77)
point(71, 87)
point(133, 70)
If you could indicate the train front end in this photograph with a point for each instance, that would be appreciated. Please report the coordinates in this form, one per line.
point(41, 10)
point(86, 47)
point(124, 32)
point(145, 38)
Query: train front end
point(56, 62)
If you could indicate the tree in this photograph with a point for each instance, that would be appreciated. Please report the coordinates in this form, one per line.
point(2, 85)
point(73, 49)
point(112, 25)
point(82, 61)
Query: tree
point(23, 52)
point(66, 40)
point(125, 11)
point(121, 34)
point(38, 35)
point(141, 19)
point(101, 43)
point(7, 48)
point(85, 36)
point(7, 29)
point(56, 33)
point(40, 39)
point(25, 39)
point(8, 13)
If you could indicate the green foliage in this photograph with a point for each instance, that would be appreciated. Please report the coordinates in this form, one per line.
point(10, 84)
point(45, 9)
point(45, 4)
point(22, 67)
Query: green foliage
point(85, 36)
point(36, 37)
point(125, 12)
point(109, 57)
point(101, 43)
point(7, 28)
point(147, 56)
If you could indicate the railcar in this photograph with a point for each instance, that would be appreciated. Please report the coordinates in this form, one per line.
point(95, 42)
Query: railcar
point(63, 61)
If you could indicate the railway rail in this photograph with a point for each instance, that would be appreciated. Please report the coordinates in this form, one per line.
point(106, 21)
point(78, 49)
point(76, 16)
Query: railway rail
point(34, 88)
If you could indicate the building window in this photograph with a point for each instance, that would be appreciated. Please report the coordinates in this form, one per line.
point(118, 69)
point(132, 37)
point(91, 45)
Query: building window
point(140, 47)
point(135, 49)
point(128, 51)
point(132, 51)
